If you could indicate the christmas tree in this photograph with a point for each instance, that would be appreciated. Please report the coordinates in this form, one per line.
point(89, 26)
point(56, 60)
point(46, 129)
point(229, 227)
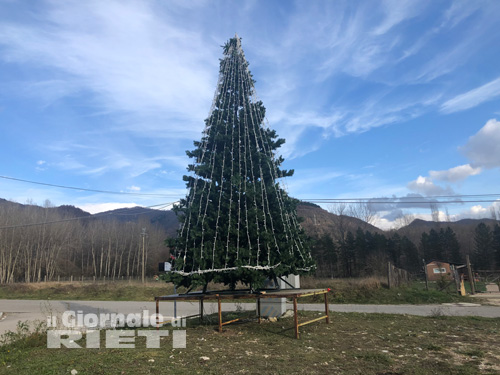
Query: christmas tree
point(237, 223)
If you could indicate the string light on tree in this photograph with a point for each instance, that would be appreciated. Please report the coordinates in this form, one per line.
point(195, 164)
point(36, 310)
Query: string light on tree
point(238, 224)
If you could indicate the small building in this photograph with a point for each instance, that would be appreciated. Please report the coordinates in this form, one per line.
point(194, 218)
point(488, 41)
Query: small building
point(437, 270)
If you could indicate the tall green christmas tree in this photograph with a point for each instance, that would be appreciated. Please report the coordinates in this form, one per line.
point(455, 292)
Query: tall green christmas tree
point(237, 223)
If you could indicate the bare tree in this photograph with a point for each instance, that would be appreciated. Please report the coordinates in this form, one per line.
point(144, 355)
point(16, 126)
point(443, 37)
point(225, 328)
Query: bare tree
point(340, 220)
point(403, 220)
point(493, 213)
point(434, 212)
point(363, 211)
point(448, 217)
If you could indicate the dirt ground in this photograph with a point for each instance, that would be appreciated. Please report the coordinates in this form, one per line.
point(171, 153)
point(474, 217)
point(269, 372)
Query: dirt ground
point(489, 298)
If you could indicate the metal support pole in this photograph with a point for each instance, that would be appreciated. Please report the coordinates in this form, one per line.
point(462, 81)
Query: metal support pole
point(296, 318)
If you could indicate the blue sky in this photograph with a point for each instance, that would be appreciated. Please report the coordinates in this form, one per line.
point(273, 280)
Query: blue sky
point(375, 98)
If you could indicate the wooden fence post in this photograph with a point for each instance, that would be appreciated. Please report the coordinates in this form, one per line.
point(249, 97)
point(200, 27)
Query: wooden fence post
point(389, 274)
point(426, 276)
point(471, 276)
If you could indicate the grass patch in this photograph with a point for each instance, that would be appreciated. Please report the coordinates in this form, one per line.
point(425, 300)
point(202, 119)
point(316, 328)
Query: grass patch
point(374, 291)
point(351, 344)
point(364, 291)
point(434, 347)
point(473, 352)
point(380, 358)
point(98, 291)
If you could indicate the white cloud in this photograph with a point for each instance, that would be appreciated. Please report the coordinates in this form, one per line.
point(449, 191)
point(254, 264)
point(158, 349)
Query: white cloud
point(133, 57)
point(458, 12)
point(455, 174)
point(368, 43)
point(473, 97)
point(425, 186)
point(302, 183)
point(134, 188)
point(483, 151)
point(483, 148)
point(478, 210)
point(396, 12)
point(95, 208)
point(389, 223)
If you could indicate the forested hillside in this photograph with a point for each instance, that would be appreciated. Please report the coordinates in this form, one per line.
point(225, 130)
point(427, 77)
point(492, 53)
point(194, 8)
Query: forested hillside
point(75, 243)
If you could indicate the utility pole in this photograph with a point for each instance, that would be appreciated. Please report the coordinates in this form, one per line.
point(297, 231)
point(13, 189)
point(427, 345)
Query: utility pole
point(143, 235)
point(426, 276)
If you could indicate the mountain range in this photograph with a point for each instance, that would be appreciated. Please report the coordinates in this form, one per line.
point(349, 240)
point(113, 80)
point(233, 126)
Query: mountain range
point(315, 220)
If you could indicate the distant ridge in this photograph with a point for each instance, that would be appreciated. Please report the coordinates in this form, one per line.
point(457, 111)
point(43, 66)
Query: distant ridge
point(165, 219)
point(419, 223)
point(315, 220)
point(65, 210)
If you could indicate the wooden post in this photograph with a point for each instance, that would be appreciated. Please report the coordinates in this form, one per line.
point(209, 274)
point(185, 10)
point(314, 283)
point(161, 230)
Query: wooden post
point(71, 279)
point(389, 275)
point(426, 276)
point(456, 278)
point(201, 310)
point(326, 309)
point(471, 276)
point(157, 314)
point(296, 318)
point(220, 313)
point(258, 309)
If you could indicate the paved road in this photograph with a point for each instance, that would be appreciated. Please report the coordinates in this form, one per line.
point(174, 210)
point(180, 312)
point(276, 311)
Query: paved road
point(32, 310)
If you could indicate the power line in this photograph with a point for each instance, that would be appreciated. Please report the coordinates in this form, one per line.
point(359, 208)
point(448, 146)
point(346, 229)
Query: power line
point(384, 200)
point(399, 201)
point(410, 197)
point(98, 215)
point(90, 190)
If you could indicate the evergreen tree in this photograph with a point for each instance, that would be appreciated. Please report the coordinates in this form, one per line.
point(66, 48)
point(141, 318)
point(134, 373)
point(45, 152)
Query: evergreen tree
point(431, 246)
point(411, 260)
point(394, 249)
point(483, 247)
point(324, 253)
point(450, 246)
point(348, 255)
point(435, 245)
point(361, 251)
point(237, 224)
point(425, 247)
point(496, 244)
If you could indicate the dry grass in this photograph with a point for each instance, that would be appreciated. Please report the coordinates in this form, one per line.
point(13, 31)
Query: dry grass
point(371, 290)
point(371, 283)
point(352, 344)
